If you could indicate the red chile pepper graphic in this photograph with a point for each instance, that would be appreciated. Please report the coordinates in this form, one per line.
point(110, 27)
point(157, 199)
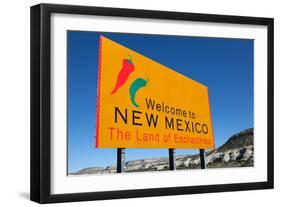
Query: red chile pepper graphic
point(127, 68)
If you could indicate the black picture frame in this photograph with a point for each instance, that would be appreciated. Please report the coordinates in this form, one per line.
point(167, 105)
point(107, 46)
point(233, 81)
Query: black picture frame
point(41, 97)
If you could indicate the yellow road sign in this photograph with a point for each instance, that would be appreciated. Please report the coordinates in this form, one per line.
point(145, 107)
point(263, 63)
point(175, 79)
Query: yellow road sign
point(143, 104)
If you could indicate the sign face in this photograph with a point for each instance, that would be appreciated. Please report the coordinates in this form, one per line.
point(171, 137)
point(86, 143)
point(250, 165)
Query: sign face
point(143, 104)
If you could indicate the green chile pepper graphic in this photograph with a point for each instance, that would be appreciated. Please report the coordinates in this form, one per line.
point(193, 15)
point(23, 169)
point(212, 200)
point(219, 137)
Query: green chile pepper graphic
point(135, 86)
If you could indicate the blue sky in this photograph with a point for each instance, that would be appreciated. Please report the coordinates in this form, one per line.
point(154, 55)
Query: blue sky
point(224, 65)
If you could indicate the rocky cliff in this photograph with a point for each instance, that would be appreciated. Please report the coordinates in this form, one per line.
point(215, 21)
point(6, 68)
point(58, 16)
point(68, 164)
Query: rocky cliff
point(238, 151)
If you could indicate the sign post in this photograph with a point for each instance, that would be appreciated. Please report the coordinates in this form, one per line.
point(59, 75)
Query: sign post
point(172, 159)
point(120, 160)
point(136, 108)
point(203, 159)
